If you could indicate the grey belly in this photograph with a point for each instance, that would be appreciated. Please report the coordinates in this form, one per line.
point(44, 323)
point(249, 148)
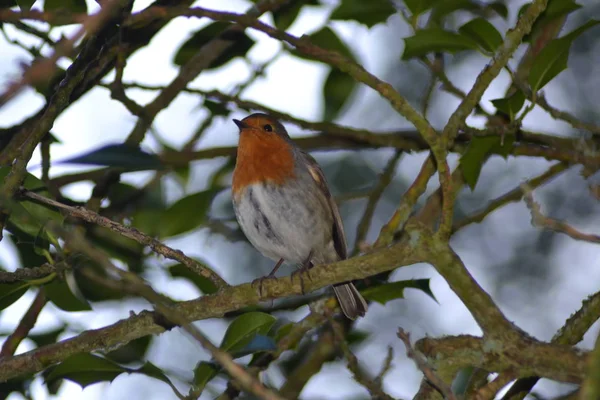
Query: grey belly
point(284, 225)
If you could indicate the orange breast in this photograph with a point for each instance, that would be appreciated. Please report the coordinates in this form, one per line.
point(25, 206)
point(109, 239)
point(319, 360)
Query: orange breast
point(261, 158)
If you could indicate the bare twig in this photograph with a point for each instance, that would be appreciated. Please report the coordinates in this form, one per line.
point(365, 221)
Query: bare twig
point(372, 385)
point(409, 200)
point(515, 194)
point(540, 220)
point(384, 180)
point(25, 325)
point(164, 307)
point(43, 69)
point(424, 367)
point(131, 233)
point(25, 274)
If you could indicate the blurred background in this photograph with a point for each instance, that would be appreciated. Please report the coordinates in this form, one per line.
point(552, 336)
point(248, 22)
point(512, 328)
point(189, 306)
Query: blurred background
point(537, 278)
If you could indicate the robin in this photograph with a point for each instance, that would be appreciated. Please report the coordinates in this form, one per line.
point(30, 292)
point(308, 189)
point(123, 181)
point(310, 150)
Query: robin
point(284, 206)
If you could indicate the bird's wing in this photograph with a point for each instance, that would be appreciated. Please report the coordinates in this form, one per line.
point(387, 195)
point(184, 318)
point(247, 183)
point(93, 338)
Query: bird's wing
point(339, 237)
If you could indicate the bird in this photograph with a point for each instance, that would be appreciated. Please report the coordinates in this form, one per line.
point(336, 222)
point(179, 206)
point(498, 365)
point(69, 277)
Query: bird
point(283, 204)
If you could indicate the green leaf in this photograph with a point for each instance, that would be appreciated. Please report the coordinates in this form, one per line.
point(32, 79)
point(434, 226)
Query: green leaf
point(500, 8)
point(356, 337)
point(368, 13)
point(435, 39)
point(72, 6)
point(241, 44)
point(328, 39)
point(46, 338)
point(11, 292)
point(133, 351)
point(203, 373)
point(258, 343)
point(59, 292)
point(579, 31)
point(483, 33)
point(554, 10)
point(25, 5)
point(204, 284)
point(444, 7)
point(553, 58)
point(472, 160)
point(337, 89)
point(241, 331)
point(216, 108)
point(186, 214)
point(86, 369)
point(417, 7)
point(8, 3)
point(551, 61)
point(511, 105)
point(152, 371)
point(130, 158)
point(286, 14)
point(27, 216)
point(395, 290)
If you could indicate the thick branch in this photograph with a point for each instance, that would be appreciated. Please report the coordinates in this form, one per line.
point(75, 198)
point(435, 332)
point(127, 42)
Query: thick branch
point(227, 300)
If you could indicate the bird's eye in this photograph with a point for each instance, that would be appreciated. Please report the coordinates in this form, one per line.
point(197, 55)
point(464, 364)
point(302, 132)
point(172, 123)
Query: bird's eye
point(268, 128)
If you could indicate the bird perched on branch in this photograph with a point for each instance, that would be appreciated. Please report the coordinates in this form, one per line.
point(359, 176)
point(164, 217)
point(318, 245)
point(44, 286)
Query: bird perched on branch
point(283, 204)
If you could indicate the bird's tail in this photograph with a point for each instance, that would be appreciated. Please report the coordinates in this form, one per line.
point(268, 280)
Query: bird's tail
point(353, 305)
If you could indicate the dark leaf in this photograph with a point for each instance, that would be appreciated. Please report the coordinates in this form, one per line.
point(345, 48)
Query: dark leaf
point(44, 339)
point(25, 5)
point(60, 294)
point(368, 13)
point(395, 290)
point(11, 292)
point(133, 351)
point(240, 332)
point(550, 62)
point(258, 343)
point(186, 214)
point(153, 371)
point(444, 7)
point(203, 373)
point(356, 337)
point(328, 39)
point(216, 108)
point(71, 6)
point(337, 89)
point(286, 14)
point(483, 33)
point(27, 216)
point(205, 285)
point(500, 8)
point(555, 9)
point(242, 43)
point(118, 155)
point(417, 7)
point(435, 39)
point(472, 160)
point(86, 369)
point(511, 105)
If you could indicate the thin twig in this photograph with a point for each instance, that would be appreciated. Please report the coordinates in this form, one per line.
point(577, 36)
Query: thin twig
point(25, 274)
point(513, 195)
point(131, 233)
point(424, 367)
point(41, 70)
point(372, 385)
point(384, 180)
point(164, 307)
point(25, 325)
point(407, 203)
point(540, 220)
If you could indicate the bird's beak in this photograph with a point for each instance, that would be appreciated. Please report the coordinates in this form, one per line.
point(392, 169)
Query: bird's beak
point(241, 124)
